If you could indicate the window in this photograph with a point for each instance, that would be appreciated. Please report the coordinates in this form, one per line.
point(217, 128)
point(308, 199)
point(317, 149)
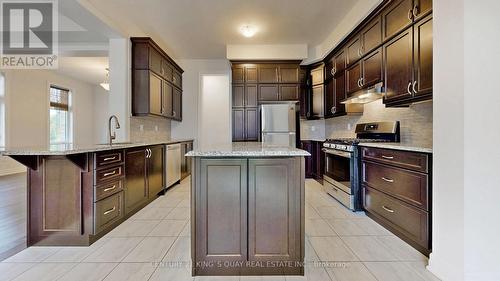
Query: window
point(60, 120)
point(2, 110)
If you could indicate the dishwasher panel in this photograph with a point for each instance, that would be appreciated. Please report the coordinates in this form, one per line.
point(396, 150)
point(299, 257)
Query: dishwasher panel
point(173, 170)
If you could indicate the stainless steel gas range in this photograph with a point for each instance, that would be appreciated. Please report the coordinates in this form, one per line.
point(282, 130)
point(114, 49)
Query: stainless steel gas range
point(341, 178)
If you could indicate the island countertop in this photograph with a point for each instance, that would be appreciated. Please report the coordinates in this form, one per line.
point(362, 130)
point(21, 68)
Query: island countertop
point(246, 149)
point(67, 149)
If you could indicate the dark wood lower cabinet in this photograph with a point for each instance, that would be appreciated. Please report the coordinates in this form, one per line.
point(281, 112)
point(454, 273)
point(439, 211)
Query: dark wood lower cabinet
point(155, 171)
point(247, 216)
point(185, 161)
point(136, 190)
point(314, 166)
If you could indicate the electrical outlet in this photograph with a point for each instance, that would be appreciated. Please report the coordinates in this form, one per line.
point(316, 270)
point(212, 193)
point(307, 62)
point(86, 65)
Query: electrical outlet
point(141, 127)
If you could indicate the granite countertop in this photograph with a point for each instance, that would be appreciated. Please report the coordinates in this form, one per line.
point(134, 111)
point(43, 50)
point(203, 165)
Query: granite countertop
point(247, 149)
point(313, 139)
point(66, 149)
point(398, 146)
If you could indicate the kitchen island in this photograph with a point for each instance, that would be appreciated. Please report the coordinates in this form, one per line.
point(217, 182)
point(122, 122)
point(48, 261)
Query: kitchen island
point(247, 210)
point(76, 194)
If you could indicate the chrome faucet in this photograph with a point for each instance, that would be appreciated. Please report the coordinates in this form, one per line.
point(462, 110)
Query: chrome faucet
point(117, 126)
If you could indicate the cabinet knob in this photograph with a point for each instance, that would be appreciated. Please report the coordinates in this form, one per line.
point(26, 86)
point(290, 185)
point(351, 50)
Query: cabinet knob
point(334, 109)
point(173, 79)
point(173, 113)
point(408, 88)
point(414, 11)
point(334, 70)
point(414, 87)
point(410, 14)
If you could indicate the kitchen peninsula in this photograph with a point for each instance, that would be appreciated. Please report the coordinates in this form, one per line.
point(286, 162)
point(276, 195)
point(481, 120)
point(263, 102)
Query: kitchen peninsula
point(76, 194)
point(247, 210)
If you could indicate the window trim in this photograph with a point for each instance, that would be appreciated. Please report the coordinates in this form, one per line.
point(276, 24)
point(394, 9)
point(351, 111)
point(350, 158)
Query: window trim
point(70, 125)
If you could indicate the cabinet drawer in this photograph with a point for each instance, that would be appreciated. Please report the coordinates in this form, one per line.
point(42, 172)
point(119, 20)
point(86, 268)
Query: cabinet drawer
point(106, 189)
point(409, 186)
point(106, 158)
point(409, 221)
point(108, 211)
point(404, 159)
point(107, 174)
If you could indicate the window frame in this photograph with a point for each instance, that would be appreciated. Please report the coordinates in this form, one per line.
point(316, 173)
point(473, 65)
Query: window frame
point(69, 121)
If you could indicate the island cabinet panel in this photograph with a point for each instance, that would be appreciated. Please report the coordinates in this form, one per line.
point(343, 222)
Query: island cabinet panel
point(273, 211)
point(221, 211)
point(136, 188)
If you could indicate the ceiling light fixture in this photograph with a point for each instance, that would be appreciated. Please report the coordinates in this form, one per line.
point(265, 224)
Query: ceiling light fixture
point(248, 30)
point(105, 84)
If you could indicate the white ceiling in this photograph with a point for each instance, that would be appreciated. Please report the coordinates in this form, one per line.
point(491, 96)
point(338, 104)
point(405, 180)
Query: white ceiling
point(88, 69)
point(201, 29)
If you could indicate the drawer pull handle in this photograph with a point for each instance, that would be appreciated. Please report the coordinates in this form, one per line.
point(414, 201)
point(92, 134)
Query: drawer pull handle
point(110, 158)
point(388, 157)
point(387, 180)
point(109, 188)
point(109, 211)
point(109, 174)
point(388, 209)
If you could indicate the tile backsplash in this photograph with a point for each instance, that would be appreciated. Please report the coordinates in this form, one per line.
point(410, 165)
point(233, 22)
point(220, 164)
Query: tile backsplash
point(153, 129)
point(415, 120)
point(312, 130)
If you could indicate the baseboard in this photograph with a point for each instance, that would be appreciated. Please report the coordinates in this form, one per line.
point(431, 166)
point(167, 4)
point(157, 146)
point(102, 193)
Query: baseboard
point(444, 270)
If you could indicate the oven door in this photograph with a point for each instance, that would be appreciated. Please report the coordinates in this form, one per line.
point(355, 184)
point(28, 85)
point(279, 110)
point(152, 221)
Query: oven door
point(338, 169)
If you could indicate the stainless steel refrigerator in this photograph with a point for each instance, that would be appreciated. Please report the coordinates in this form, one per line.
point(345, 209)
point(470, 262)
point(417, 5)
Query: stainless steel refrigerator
point(279, 123)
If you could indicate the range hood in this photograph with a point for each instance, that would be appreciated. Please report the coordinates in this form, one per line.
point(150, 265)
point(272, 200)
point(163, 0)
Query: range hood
point(367, 95)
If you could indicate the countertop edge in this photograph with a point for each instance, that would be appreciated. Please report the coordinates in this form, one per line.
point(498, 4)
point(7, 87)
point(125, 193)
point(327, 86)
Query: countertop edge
point(398, 146)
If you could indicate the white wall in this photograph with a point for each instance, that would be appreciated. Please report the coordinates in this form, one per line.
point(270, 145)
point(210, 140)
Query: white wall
point(193, 69)
point(101, 114)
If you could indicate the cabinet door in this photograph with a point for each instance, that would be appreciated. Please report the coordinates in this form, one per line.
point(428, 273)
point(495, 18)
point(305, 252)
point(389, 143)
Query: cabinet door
point(289, 92)
point(268, 92)
point(339, 61)
point(329, 98)
point(166, 70)
point(305, 104)
point(251, 74)
point(251, 93)
point(396, 17)
point(155, 170)
point(155, 60)
point(372, 68)
point(273, 213)
point(317, 76)
point(252, 130)
point(238, 95)
point(329, 69)
point(268, 73)
point(238, 74)
point(238, 124)
point(340, 94)
point(307, 146)
point(155, 93)
point(318, 95)
point(371, 35)
point(136, 191)
point(221, 210)
point(177, 79)
point(167, 99)
point(421, 8)
point(177, 104)
point(353, 50)
point(353, 78)
point(398, 66)
point(422, 57)
point(289, 74)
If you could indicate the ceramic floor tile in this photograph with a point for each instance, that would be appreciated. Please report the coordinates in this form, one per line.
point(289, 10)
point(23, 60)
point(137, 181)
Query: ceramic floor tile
point(75, 254)
point(185, 203)
point(131, 272)
point(33, 254)
point(133, 228)
point(346, 227)
point(186, 231)
point(311, 274)
point(151, 249)
point(310, 254)
point(401, 249)
point(368, 248)
point(165, 202)
point(114, 250)
point(45, 272)
point(419, 267)
point(88, 272)
point(393, 271)
point(311, 213)
point(179, 213)
point(318, 227)
point(168, 228)
point(371, 227)
point(150, 213)
point(9, 271)
point(330, 212)
point(169, 273)
point(216, 278)
point(180, 250)
point(262, 278)
point(331, 249)
point(350, 271)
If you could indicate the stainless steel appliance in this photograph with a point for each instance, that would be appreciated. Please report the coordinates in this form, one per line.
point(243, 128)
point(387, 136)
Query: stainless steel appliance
point(173, 165)
point(279, 123)
point(341, 178)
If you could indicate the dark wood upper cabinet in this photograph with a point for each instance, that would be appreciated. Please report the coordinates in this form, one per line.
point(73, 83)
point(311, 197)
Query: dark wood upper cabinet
point(239, 124)
point(177, 104)
point(372, 69)
point(317, 75)
point(268, 92)
point(371, 35)
point(398, 62)
point(421, 8)
point(153, 75)
point(238, 95)
point(251, 74)
point(339, 61)
point(268, 73)
point(340, 94)
point(305, 104)
point(252, 127)
point(251, 95)
point(289, 73)
point(353, 75)
point(396, 17)
point(353, 50)
point(238, 74)
point(422, 57)
point(329, 99)
point(289, 92)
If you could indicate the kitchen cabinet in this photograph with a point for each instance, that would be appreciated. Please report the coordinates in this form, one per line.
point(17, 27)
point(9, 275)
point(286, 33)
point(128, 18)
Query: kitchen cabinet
point(251, 95)
point(252, 124)
point(309, 167)
point(365, 73)
point(354, 74)
point(317, 96)
point(245, 96)
point(268, 73)
point(422, 57)
point(156, 81)
point(269, 92)
point(305, 101)
point(251, 73)
point(238, 95)
point(185, 161)
point(400, 14)
point(396, 193)
point(155, 170)
point(238, 74)
point(353, 50)
point(371, 35)
point(329, 100)
point(238, 124)
point(289, 73)
point(317, 75)
point(289, 92)
point(314, 164)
